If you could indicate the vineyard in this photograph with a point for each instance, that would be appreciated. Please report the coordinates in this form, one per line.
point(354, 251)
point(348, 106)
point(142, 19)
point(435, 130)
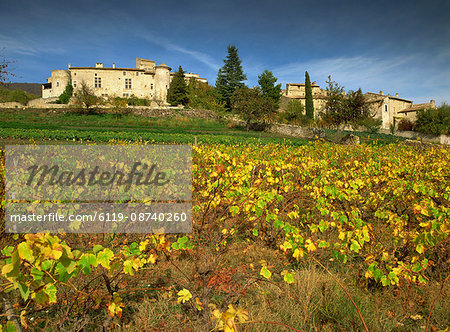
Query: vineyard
point(271, 223)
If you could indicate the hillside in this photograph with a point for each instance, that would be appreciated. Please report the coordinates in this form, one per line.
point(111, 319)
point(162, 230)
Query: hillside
point(32, 88)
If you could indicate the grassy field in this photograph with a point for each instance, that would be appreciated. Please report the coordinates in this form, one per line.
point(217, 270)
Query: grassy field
point(41, 125)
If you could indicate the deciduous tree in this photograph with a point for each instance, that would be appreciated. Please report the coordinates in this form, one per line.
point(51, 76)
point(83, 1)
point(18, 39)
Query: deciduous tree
point(4, 70)
point(85, 96)
point(251, 104)
point(341, 109)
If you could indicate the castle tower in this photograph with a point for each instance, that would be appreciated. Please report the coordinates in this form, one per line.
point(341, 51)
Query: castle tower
point(56, 84)
point(162, 81)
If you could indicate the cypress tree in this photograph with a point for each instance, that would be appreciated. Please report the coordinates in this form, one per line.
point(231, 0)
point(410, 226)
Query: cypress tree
point(231, 76)
point(178, 91)
point(309, 104)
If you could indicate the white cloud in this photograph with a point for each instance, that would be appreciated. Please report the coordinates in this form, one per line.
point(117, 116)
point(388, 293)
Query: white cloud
point(26, 47)
point(15, 46)
point(200, 56)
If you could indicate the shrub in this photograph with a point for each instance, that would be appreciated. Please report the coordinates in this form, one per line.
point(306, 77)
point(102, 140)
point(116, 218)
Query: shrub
point(434, 121)
point(135, 101)
point(370, 124)
point(18, 96)
point(203, 96)
point(405, 125)
point(64, 97)
point(293, 113)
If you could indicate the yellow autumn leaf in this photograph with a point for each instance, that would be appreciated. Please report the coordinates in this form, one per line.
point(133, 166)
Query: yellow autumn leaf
point(151, 259)
point(310, 246)
point(298, 253)
point(184, 295)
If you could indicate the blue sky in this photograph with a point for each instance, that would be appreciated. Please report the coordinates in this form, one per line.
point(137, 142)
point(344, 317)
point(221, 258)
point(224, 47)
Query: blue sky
point(395, 46)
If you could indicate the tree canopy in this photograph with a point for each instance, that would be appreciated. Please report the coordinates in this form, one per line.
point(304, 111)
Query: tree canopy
point(341, 108)
point(251, 104)
point(4, 71)
point(268, 88)
point(231, 76)
point(178, 90)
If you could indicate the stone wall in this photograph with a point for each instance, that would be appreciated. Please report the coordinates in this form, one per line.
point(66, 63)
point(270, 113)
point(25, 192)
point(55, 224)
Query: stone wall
point(294, 131)
point(442, 139)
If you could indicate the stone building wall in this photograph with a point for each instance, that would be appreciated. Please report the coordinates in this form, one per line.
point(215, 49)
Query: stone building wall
point(298, 91)
point(144, 81)
point(58, 82)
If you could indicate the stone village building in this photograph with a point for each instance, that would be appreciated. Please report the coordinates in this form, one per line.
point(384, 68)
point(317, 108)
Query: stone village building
point(147, 80)
point(390, 109)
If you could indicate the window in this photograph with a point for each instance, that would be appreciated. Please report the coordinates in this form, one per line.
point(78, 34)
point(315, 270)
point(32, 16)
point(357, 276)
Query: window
point(125, 95)
point(124, 73)
point(137, 73)
point(74, 84)
point(74, 74)
point(57, 83)
point(128, 83)
point(385, 108)
point(104, 95)
point(95, 74)
point(98, 82)
point(151, 86)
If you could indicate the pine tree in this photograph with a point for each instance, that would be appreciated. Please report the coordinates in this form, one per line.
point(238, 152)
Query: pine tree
point(231, 76)
point(178, 92)
point(267, 83)
point(309, 104)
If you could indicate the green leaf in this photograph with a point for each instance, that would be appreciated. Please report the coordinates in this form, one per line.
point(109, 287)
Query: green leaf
point(45, 265)
point(234, 210)
point(182, 240)
point(86, 261)
point(104, 257)
point(36, 274)
point(97, 248)
point(9, 327)
point(289, 278)
point(51, 290)
point(416, 267)
point(377, 274)
point(61, 272)
point(128, 267)
point(7, 251)
point(355, 246)
point(323, 244)
point(24, 290)
point(265, 272)
point(255, 232)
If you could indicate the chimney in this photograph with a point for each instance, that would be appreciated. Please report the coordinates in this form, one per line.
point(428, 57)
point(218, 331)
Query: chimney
point(396, 95)
point(381, 93)
point(433, 103)
point(99, 65)
point(69, 65)
point(114, 65)
point(313, 83)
